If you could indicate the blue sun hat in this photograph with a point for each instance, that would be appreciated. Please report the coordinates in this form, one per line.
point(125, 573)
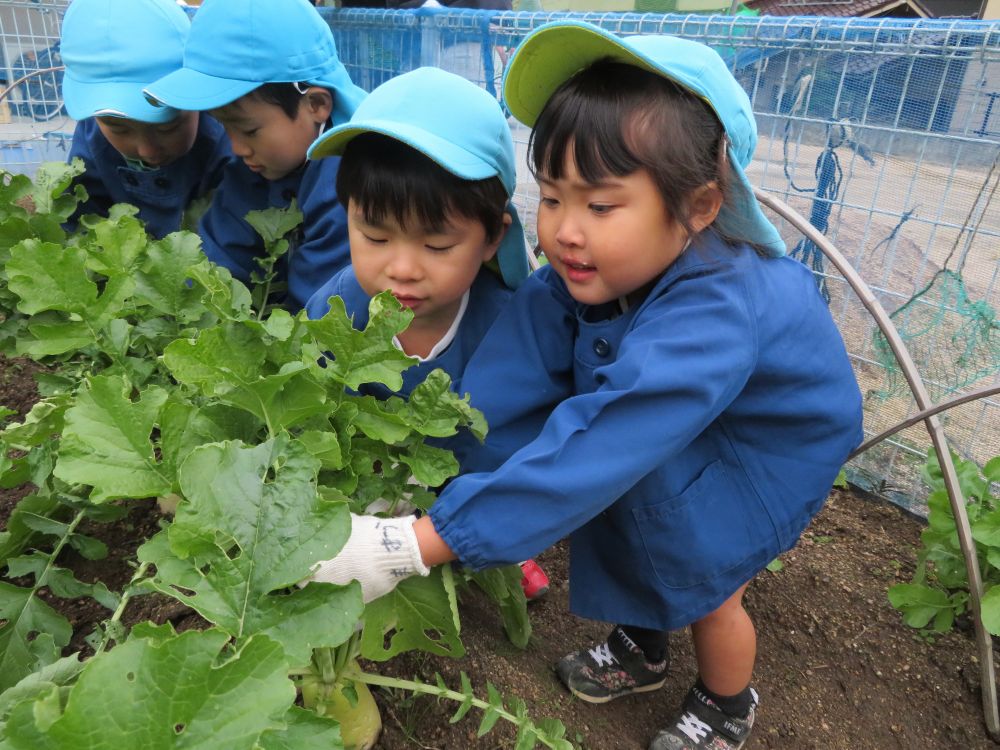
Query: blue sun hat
point(553, 53)
point(112, 49)
point(236, 46)
point(453, 122)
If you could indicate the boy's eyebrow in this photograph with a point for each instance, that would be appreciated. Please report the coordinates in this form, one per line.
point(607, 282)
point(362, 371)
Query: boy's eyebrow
point(231, 117)
point(230, 113)
point(411, 226)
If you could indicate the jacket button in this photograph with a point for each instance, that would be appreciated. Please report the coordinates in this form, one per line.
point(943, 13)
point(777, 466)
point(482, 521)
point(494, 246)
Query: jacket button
point(162, 183)
point(601, 347)
point(131, 180)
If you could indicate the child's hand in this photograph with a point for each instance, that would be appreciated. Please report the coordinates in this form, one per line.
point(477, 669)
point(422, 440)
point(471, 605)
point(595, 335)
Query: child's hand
point(379, 554)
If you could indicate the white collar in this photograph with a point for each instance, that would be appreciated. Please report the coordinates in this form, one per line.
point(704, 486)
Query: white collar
point(448, 337)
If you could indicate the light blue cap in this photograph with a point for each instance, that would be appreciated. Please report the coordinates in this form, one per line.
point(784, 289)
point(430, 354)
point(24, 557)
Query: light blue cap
point(453, 122)
point(553, 53)
point(236, 46)
point(112, 49)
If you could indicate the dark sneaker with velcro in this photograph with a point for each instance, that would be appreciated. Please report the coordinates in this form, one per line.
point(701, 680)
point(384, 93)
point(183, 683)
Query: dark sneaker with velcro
point(702, 725)
point(610, 670)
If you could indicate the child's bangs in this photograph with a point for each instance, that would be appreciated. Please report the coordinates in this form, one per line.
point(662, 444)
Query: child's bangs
point(407, 197)
point(588, 115)
point(389, 180)
point(615, 119)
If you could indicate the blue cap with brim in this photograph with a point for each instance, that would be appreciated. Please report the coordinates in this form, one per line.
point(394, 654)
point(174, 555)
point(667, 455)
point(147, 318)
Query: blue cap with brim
point(112, 49)
point(453, 122)
point(236, 46)
point(553, 53)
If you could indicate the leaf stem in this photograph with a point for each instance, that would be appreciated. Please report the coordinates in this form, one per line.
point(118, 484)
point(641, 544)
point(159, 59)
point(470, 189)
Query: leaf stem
point(467, 698)
point(416, 686)
point(41, 580)
point(120, 610)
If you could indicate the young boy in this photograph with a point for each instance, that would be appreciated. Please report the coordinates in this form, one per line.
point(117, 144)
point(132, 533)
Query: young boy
point(268, 71)
point(156, 158)
point(427, 173)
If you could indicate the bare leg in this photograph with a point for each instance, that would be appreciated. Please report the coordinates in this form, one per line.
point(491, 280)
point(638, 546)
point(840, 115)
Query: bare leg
point(725, 646)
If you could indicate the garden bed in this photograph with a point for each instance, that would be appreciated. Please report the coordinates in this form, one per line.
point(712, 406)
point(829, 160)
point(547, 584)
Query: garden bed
point(837, 667)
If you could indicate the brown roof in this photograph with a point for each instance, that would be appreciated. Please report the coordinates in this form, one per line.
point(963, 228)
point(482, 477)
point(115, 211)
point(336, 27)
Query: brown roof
point(825, 7)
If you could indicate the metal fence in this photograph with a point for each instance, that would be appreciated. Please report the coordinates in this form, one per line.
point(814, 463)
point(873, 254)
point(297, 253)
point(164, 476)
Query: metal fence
point(885, 133)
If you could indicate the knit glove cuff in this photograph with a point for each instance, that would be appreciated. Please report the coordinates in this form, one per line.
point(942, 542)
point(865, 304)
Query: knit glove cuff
point(379, 554)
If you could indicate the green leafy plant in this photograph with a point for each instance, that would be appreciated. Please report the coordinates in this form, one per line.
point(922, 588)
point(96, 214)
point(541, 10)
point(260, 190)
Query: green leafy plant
point(939, 590)
point(172, 385)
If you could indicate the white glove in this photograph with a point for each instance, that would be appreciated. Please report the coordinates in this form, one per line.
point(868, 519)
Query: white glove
point(379, 554)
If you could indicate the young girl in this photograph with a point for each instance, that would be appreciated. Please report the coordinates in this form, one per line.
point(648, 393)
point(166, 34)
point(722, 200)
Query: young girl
point(712, 399)
point(156, 158)
point(268, 71)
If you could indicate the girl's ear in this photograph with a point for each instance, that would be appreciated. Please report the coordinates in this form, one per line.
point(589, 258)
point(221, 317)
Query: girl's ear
point(491, 249)
point(704, 206)
point(318, 103)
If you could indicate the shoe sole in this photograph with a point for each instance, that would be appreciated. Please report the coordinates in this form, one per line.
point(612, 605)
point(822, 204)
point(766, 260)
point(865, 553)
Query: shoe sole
point(736, 747)
point(608, 698)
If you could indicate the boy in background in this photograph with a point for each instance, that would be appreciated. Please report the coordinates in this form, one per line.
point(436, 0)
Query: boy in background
point(268, 71)
point(158, 159)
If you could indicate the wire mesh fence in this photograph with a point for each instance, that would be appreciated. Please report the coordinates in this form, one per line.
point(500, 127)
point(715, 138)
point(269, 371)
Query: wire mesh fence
point(33, 123)
point(884, 132)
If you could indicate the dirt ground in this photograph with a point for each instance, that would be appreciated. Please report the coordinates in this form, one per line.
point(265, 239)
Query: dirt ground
point(837, 668)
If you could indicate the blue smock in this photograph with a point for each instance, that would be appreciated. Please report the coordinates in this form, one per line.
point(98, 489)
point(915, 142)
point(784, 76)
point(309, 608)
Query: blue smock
point(707, 425)
point(316, 253)
point(161, 195)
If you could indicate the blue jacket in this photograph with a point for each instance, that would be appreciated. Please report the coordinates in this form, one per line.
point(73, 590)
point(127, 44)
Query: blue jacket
point(705, 428)
point(161, 195)
point(314, 256)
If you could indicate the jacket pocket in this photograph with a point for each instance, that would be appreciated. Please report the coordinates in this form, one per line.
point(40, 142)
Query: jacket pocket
point(700, 534)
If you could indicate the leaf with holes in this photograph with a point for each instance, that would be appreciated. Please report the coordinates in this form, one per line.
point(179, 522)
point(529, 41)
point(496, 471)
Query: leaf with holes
point(251, 527)
point(107, 445)
point(362, 356)
point(187, 690)
point(416, 615)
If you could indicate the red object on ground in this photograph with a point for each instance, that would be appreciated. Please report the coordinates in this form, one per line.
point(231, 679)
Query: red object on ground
point(534, 582)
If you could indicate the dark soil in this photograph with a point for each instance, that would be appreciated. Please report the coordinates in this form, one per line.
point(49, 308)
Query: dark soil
point(837, 668)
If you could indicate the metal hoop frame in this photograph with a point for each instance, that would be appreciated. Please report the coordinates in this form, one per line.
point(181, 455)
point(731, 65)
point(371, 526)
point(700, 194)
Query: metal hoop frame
point(928, 414)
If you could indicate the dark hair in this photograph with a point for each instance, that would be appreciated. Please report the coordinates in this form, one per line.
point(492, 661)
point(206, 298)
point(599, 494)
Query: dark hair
point(620, 118)
point(387, 178)
point(283, 95)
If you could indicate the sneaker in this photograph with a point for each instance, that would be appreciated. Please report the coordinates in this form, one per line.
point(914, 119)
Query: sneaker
point(615, 668)
point(534, 582)
point(702, 725)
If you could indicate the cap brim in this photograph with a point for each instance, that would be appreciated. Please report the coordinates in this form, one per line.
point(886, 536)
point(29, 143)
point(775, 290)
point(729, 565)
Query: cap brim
point(117, 99)
point(512, 254)
point(551, 55)
point(454, 159)
point(741, 216)
point(190, 90)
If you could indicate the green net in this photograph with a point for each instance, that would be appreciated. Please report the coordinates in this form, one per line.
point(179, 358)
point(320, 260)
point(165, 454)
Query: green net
point(954, 340)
